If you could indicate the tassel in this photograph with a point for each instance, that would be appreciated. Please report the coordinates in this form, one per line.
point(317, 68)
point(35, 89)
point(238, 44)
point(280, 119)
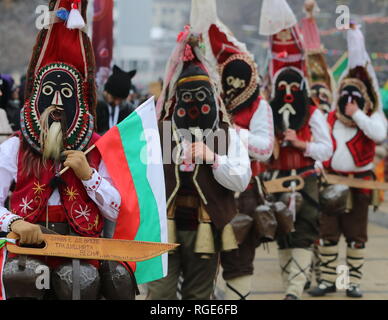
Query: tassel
point(75, 20)
point(229, 241)
point(282, 55)
point(188, 56)
point(205, 240)
point(63, 14)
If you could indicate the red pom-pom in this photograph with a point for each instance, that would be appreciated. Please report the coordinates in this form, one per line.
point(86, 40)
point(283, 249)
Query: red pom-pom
point(182, 36)
point(75, 4)
point(189, 55)
point(283, 54)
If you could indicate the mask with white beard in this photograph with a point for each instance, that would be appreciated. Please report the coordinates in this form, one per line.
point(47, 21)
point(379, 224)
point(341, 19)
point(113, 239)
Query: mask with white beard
point(51, 136)
point(57, 117)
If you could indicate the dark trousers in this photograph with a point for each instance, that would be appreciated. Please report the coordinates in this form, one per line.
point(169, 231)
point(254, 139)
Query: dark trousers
point(353, 225)
point(307, 219)
point(198, 273)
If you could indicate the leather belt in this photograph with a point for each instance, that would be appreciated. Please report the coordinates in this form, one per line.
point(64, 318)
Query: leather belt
point(61, 228)
point(191, 202)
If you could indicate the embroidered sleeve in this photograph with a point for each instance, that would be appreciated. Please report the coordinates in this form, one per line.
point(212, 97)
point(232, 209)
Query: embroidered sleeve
point(233, 171)
point(8, 171)
point(321, 147)
point(5, 219)
point(374, 127)
point(101, 190)
point(261, 135)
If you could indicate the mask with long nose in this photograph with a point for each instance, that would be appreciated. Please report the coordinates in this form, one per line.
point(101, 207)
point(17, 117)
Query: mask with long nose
point(58, 88)
point(290, 101)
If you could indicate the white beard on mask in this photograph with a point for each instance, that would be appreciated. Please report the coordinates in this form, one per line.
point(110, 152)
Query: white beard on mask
point(51, 139)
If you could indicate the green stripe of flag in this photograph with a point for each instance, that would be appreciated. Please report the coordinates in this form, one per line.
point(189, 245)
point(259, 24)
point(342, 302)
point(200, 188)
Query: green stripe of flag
point(340, 67)
point(132, 136)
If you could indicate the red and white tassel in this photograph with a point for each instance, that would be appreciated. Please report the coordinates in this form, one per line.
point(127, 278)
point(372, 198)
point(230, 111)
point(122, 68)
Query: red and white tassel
point(188, 54)
point(75, 20)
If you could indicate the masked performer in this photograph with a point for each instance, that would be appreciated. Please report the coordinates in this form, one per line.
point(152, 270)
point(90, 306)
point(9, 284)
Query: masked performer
point(302, 137)
point(357, 125)
point(209, 164)
point(241, 96)
point(322, 84)
point(57, 125)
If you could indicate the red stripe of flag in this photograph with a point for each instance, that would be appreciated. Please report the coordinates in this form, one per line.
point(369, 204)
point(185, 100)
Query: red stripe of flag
point(111, 149)
point(2, 262)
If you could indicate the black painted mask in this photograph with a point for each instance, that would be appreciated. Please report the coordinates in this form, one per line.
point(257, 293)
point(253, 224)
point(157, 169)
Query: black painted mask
point(348, 94)
point(62, 86)
point(322, 97)
point(59, 89)
point(239, 82)
point(290, 102)
point(196, 107)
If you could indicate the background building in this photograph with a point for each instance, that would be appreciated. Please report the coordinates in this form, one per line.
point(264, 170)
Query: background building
point(145, 31)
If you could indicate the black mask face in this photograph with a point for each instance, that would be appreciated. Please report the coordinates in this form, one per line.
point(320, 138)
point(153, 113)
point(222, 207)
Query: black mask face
point(59, 89)
point(238, 84)
point(290, 99)
point(196, 107)
point(322, 97)
point(348, 94)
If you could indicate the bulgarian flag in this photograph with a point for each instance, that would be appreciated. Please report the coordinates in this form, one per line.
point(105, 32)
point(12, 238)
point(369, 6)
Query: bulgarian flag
point(3, 259)
point(133, 156)
point(339, 68)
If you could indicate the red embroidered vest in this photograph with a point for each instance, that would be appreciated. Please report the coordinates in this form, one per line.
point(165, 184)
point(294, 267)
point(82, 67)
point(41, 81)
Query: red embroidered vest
point(293, 158)
point(31, 195)
point(360, 146)
point(243, 119)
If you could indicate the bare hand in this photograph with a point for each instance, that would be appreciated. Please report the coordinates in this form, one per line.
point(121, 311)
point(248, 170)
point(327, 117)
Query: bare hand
point(29, 233)
point(77, 161)
point(351, 108)
point(201, 151)
point(290, 135)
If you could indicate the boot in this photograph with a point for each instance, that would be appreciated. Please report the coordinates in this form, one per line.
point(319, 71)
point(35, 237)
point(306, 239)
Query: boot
point(354, 291)
point(284, 262)
point(355, 261)
point(322, 289)
point(298, 271)
point(238, 288)
point(328, 256)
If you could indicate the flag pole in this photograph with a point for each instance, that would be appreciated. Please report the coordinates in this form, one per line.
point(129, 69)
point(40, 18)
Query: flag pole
point(85, 153)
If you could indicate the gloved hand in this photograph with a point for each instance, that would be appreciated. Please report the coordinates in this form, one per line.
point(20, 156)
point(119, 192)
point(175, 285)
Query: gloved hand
point(29, 233)
point(78, 162)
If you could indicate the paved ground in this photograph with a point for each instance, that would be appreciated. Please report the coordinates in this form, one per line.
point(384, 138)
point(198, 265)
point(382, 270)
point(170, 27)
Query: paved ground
point(267, 283)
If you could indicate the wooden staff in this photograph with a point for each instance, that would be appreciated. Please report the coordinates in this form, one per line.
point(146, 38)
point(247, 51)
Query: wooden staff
point(85, 153)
